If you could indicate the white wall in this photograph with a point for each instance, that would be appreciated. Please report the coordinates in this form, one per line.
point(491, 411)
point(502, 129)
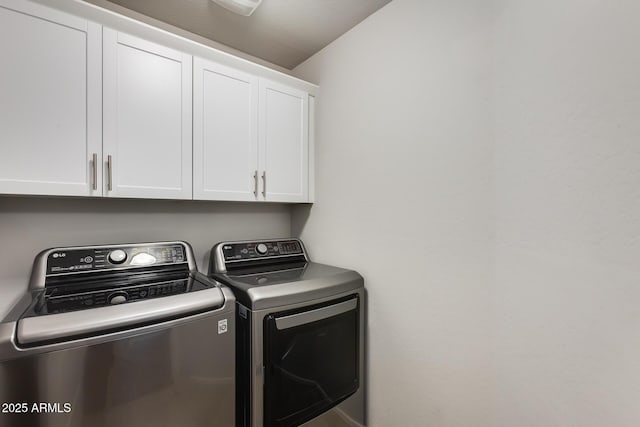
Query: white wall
point(403, 196)
point(491, 152)
point(29, 225)
point(567, 170)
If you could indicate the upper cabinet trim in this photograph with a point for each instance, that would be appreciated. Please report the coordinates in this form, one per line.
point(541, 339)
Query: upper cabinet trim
point(53, 15)
point(149, 47)
point(157, 35)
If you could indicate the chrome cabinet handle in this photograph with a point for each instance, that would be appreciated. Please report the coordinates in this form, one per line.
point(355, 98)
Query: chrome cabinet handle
point(94, 164)
point(264, 183)
point(255, 183)
point(109, 173)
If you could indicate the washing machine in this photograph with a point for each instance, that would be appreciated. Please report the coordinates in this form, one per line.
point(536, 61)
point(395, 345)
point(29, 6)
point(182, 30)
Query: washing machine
point(122, 335)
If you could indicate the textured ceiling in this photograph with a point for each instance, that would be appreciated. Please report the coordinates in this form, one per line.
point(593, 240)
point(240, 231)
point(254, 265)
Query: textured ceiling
point(284, 32)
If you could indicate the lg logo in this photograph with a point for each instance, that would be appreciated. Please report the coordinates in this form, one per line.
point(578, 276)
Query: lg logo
point(222, 326)
point(59, 255)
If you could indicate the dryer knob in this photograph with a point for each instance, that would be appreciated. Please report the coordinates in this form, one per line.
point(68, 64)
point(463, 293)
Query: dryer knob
point(262, 249)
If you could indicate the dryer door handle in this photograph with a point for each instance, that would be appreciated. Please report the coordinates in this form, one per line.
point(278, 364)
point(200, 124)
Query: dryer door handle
point(311, 316)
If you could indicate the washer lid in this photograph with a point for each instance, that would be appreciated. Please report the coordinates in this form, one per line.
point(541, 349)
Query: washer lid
point(68, 325)
point(291, 284)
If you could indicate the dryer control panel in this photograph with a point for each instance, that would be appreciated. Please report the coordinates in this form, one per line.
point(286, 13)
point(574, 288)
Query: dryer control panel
point(263, 249)
point(227, 255)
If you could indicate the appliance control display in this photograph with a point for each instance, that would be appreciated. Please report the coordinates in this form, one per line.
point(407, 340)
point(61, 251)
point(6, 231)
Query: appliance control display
point(254, 250)
point(70, 261)
point(291, 247)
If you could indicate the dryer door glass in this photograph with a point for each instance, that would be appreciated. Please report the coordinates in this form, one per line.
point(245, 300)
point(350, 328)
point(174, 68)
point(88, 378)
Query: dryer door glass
point(311, 361)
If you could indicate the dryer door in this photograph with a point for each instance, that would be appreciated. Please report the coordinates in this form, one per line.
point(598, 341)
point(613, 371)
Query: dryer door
point(311, 360)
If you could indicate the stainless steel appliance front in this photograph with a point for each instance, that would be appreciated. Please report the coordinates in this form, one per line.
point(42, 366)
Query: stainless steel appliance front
point(348, 413)
point(178, 373)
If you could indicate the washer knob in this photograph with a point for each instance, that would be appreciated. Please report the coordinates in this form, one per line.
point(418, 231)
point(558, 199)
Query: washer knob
point(262, 248)
point(117, 257)
point(118, 298)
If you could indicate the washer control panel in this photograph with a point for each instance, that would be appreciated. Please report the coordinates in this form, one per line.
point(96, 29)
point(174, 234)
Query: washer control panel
point(68, 261)
point(241, 251)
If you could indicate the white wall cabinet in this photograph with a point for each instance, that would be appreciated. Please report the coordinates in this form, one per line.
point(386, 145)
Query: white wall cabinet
point(87, 110)
point(147, 119)
point(50, 101)
point(250, 137)
point(225, 133)
point(284, 143)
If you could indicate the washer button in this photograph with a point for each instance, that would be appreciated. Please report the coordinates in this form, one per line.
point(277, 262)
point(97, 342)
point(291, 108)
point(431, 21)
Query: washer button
point(117, 299)
point(262, 249)
point(117, 257)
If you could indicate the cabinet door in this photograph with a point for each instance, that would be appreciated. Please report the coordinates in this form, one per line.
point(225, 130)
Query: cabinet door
point(50, 101)
point(284, 143)
point(147, 119)
point(225, 133)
